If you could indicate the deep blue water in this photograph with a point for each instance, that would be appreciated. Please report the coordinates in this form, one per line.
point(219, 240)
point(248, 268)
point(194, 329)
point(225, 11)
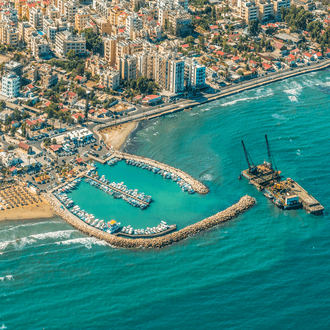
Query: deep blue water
point(267, 269)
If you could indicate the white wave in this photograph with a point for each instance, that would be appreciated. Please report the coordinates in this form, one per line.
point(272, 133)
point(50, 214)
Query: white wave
point(10, 277)
point(293, 98)
point(277, 116)
point(19, 243)
point(28, 225)
point(54, 234)
point(156, 133)
point(294, 91)
point(207, 109)
point(207, 177)
point(3, 327)
point(2, 279)
point(86, 241)
point(247, 99)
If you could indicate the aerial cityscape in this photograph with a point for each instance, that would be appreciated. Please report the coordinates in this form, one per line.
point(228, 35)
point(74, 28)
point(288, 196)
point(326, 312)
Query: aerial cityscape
point(156, 155)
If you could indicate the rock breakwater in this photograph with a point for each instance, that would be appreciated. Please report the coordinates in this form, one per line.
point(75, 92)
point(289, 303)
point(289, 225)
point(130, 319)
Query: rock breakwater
point(195, 184)
point(244, 204)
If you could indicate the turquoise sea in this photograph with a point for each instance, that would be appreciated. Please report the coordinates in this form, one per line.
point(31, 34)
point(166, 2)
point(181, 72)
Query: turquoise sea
point(267, 269)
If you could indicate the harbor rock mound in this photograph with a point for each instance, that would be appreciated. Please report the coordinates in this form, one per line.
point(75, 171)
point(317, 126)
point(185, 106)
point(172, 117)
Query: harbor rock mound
point(244, 204)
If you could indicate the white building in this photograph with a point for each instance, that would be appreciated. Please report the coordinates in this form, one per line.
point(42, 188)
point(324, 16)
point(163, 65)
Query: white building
point(10, 85)
point(65, 41)
point(133, 23)
point(176, 75)
point(9, 158)
point(195, 73)
point(36, 17)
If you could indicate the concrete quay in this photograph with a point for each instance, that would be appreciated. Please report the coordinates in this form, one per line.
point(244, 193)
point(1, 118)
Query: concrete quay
point(195, 184)
point(244, 204)
point(116, 189)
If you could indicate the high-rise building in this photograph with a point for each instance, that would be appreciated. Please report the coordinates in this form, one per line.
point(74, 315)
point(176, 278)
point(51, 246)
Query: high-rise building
point(126, 66)
point(194, 73)
point(10, 85)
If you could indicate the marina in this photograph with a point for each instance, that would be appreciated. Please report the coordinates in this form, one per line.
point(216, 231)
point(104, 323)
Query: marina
point(286, 194)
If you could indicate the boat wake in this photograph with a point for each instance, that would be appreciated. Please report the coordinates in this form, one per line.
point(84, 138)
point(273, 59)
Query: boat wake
point(7, 277)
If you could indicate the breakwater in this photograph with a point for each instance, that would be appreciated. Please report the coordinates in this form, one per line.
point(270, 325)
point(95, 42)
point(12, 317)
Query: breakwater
point(244, 204)
point(195, 184)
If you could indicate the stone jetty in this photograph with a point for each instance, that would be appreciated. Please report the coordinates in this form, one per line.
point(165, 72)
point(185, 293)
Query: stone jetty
point(195, 184)
point(244, 204)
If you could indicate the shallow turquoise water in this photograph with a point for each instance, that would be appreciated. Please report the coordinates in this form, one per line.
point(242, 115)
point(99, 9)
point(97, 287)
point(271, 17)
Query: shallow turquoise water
point(267, 269)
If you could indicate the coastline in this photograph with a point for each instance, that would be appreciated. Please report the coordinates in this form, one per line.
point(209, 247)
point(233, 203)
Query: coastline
point(117, 135)
point(30, 212)
point(231, 90)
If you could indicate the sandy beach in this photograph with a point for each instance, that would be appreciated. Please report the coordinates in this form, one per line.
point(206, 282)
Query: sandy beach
point(42, 210)
point(117, 135)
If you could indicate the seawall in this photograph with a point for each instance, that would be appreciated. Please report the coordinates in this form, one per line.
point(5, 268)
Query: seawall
point(244, 204)
point(195, 184)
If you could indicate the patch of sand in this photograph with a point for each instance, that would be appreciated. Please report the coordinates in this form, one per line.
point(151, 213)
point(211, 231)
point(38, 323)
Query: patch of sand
point(117, 135)
point(42, 210)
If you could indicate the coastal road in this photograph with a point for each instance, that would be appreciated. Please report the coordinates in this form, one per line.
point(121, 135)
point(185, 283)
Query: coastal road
point(147, 113)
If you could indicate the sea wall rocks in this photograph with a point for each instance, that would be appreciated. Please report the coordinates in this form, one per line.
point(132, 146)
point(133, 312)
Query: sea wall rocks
point(195, 184)
point(244, 204)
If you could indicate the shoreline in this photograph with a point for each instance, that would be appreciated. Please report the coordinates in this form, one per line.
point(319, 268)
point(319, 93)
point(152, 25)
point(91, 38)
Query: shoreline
point(116, 136)
point(232, 90)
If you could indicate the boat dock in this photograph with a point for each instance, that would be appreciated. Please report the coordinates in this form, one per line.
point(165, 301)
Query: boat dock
point(165, 232)
point(117, 190)
point(195, 184)
point(285, 194)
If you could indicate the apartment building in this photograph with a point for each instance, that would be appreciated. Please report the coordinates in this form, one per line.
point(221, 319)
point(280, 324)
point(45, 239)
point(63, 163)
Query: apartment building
point(169, 72)
point(39, 46)
point(110, 78)
point(133, 23)
point(102, 7)
point(110, 46)
point(306, 4)
point(9, 14)
point(36, 18)
point(278, 4)
point(69, 9)
point(126, 66)
point(65, 41)
point(182, 3)
point(195, 73)
point(8, 35)
point(266, 9)
point(10, 85)
point(82, 18)
point(145, 64)
point(249, 11)
point(180, 21)
point(47, 75)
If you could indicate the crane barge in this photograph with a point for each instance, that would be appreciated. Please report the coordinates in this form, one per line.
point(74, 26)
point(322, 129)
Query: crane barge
point(284, 193)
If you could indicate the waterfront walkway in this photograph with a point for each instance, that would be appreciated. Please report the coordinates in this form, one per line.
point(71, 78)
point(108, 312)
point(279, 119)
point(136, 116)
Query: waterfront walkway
point(227, 91)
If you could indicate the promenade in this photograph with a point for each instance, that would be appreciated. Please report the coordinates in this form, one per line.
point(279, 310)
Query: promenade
point(227, 91)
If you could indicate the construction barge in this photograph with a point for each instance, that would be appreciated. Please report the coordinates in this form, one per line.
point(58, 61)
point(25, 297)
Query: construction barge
point(286, 194)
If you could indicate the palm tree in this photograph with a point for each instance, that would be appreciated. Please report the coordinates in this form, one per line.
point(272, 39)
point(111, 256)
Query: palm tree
point(29, 157)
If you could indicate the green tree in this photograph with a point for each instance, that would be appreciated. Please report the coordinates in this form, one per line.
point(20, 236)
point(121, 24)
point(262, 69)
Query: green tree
point(10, 147)
point(71, 55)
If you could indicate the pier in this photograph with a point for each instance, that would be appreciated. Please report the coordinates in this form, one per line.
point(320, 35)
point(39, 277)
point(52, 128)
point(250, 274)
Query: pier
point(195, 184)
point(165, 232)
point(117, 190)
point(243, 205)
